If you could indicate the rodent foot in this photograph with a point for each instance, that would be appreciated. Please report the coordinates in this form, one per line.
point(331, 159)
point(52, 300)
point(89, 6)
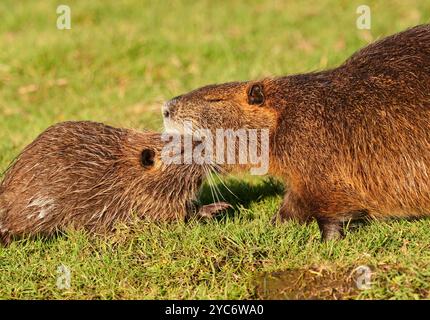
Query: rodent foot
point(210, 210)
point(330, 230)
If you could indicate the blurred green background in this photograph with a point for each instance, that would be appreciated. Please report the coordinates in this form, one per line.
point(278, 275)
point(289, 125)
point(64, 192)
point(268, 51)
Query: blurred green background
point(117, 64)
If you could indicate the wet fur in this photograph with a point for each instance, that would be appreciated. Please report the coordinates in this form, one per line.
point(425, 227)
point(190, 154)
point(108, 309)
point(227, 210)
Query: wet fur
point(89, 175)
point(349, 142)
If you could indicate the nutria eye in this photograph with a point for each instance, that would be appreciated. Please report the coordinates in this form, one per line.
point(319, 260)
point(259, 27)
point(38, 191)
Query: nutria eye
point(255, 94)
point(147, 157)
point(214, 99)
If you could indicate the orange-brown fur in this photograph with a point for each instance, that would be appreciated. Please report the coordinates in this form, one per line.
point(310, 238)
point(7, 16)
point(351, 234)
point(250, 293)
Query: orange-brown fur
point(350, 141)
point(89, 175)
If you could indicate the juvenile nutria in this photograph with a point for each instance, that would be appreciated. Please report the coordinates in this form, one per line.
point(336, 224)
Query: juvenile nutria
point(89, 175)
point(349, 142)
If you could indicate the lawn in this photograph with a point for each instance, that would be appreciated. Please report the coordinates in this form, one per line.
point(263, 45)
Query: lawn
point(117, 64)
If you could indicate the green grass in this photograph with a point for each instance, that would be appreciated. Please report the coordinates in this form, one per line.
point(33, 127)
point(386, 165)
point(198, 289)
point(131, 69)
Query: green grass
point(118, 63)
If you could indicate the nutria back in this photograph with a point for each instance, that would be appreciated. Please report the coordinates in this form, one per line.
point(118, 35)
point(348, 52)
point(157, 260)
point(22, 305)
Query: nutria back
point(349, 142)
point(90, 175)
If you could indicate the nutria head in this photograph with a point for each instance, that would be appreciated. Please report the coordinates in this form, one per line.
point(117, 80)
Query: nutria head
point(89, 175)
point(235, 105)
point(240, 119)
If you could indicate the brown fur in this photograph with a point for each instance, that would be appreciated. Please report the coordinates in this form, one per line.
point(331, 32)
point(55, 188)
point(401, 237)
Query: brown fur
point(89, 175)
point(350, 141)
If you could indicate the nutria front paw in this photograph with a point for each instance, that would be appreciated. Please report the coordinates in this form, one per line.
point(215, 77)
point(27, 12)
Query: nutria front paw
point(285, 214)
point(292, 208)
point(210, 210)
point(278, 217)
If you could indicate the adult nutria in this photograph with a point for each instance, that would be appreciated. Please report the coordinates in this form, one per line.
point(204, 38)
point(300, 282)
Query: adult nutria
point(349, 142)
point(89, 175)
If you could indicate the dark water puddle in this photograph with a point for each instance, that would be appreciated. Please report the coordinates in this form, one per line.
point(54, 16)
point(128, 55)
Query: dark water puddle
point(311, 283)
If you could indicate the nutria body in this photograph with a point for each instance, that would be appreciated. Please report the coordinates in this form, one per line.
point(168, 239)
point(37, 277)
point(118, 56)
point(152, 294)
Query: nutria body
point(348, 142)
point(89, 175)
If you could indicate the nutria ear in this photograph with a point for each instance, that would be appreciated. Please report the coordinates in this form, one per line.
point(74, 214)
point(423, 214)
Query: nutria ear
point(256, 94)
point(147, 157)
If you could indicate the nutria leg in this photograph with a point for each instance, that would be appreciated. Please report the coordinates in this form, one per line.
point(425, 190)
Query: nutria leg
point(292, 208)
point(330, 229)
point(4, 239)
